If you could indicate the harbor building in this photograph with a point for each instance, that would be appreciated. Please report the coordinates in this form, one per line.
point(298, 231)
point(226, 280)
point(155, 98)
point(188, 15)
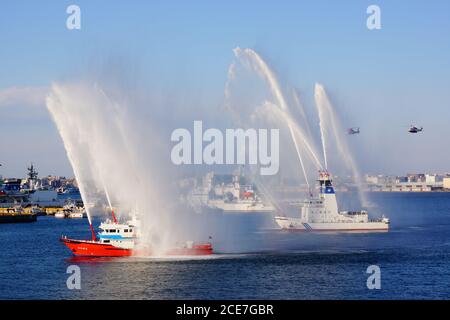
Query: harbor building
point(446, 183)
point(412, 182)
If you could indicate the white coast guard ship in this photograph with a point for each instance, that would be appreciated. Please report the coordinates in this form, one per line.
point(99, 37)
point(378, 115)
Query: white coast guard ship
point(321, 214)
point(241, 201)
point(232, 197)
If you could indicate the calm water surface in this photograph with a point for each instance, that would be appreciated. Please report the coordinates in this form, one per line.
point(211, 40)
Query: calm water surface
point(414, 258)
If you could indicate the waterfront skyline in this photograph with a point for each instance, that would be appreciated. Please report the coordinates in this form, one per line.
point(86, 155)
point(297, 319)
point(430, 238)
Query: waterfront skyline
point(381, 81)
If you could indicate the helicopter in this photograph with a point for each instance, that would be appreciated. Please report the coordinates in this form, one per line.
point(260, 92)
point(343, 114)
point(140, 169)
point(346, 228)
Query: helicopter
point(354, 130)
point(415, 129)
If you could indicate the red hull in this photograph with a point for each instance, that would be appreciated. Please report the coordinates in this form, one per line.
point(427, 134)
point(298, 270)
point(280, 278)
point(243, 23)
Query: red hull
point(95, 249)
point(88, 248)
point(196, 250)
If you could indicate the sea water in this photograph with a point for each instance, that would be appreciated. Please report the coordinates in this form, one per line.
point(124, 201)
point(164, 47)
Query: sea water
point(413, 257)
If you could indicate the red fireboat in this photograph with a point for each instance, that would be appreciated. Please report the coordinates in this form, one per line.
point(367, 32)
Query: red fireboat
point(120, 240)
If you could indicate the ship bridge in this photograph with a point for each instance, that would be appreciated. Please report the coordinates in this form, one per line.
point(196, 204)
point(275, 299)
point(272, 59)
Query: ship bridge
point(326, 183)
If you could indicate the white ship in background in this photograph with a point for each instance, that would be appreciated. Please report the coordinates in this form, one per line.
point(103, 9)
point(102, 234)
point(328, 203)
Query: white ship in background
point(230, 197)
point(71, 210)
point(321, 214)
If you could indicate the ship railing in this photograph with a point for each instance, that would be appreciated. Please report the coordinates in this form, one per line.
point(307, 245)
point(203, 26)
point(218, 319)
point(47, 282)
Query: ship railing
point(354, 213)
point(382, 219)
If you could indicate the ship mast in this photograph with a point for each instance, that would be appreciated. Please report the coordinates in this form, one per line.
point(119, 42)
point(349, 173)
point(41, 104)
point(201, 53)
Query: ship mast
point(32, 175)
point(109, 202)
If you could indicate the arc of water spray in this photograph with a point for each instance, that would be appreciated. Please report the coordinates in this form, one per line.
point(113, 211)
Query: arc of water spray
point(329, 121)
point(291, 131)
point(301, 110)
point(296, 129)
point(122, 132)
point(277, 93)
point(321, 123)
point(136, 213)
point(109, 201)
point(51, 101)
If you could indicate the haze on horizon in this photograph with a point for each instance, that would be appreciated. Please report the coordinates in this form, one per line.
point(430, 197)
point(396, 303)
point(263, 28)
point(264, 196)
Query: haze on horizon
point(381, 81)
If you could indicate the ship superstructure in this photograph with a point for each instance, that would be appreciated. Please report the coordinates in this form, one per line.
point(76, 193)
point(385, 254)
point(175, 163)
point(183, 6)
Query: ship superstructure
point(321, 213)
point(118, 239)
point(218, 192)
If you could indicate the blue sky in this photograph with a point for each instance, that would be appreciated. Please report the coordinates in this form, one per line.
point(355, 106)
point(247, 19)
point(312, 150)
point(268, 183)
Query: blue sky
point(380, 80)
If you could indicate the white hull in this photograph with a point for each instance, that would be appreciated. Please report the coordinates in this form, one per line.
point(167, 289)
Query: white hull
point(230, 207)
point(75, 215)
point(322, 214)
point(297, 224)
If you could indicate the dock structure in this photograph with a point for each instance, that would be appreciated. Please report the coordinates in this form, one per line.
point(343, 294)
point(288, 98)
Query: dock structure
point(16, 215)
